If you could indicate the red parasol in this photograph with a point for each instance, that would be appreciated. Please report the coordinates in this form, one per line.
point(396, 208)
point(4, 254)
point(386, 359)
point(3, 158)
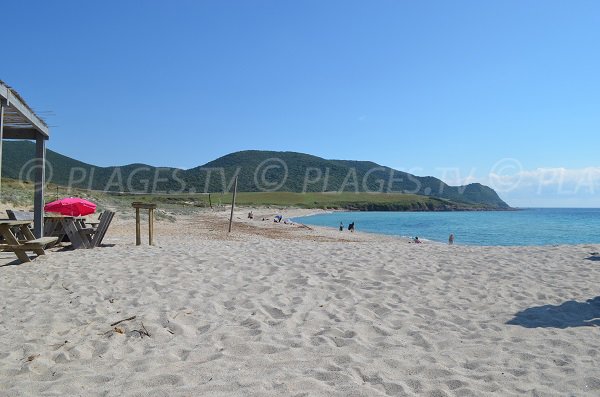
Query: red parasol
point(71, 206)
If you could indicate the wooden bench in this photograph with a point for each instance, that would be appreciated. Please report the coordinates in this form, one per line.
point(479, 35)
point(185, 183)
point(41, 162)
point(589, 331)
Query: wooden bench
point(100, 230)
point(82, 234)
point(37, 246)
point(27, 242)
point(15, 215)
point(19, 215)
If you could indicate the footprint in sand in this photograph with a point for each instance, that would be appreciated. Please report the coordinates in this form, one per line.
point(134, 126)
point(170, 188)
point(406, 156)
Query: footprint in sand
point(164, 380)
point(275, 312)
point(250, 323)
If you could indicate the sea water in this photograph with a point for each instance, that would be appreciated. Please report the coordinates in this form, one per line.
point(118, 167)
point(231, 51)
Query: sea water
point(533, 226)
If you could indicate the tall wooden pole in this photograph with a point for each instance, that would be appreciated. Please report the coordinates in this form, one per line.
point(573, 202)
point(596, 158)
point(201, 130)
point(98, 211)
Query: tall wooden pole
point(40, 182)
point(232, 203)
point(1, 137)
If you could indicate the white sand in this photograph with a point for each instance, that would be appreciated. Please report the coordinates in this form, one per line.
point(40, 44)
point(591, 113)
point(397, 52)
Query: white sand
point(282, 310)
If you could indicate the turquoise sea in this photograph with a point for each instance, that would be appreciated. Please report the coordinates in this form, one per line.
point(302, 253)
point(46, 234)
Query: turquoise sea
point(533, 226)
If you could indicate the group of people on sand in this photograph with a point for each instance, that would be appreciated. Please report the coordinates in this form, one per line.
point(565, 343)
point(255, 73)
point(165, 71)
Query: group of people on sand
point(415, 240)
point(350, 227)
point(276, 219)
point(279, 218)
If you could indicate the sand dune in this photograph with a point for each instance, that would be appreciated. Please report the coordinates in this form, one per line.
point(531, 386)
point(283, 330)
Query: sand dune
point(283, 310)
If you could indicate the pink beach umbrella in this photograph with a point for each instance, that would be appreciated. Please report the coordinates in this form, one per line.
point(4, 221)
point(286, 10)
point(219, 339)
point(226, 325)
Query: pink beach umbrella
point(71, 206)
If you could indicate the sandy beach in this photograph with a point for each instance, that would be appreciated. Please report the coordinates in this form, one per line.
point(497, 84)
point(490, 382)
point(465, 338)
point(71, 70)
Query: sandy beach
point(276, 309)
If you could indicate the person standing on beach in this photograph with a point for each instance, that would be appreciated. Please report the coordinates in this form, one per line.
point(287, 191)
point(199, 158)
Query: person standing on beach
point(341, 226)
point(351, 227)
point(451, 239)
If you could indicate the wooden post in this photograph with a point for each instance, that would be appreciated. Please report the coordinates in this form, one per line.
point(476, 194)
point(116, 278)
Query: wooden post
point(138, 237)
point(209, 201)
point(1, 137)
point(40, 182)
point(150, 208)
point(150, 226)
point(233, 203)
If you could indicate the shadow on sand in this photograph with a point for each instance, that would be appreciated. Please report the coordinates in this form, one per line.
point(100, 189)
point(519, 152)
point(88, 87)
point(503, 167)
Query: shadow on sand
point(566, 315)
point(15, 262)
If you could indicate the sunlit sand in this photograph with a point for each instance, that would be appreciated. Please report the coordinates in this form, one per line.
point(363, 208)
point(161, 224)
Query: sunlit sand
point(276, 309)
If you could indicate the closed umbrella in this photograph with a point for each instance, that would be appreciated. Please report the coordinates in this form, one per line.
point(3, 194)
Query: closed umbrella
point(71, 206)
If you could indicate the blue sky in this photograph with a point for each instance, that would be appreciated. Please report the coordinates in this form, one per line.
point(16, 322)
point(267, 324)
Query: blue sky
point(444, 88)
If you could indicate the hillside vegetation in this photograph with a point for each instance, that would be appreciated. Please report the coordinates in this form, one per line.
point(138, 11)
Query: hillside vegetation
point(358, 183)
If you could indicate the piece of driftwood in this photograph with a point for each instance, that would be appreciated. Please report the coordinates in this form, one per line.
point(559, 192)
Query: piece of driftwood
point(125, 319)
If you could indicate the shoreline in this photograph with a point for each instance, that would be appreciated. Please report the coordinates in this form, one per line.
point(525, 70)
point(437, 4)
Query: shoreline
point(372, 223)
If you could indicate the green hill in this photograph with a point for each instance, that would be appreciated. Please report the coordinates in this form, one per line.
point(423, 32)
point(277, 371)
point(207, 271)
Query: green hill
point(257, 171)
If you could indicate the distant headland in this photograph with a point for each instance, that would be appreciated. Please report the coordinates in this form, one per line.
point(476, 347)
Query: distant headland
point(268, 178)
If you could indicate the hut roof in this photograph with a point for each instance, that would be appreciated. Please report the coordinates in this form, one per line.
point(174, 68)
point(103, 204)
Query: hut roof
point(20, 121)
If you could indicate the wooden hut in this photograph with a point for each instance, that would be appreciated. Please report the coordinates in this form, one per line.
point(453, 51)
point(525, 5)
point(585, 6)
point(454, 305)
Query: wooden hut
point(19, 121)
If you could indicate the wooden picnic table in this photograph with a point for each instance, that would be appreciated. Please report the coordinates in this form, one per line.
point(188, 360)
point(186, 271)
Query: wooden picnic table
point(81, 233)
point(74, 227)
point(25, 242)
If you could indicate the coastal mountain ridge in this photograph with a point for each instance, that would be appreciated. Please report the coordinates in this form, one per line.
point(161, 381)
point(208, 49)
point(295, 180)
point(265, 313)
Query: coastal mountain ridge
point(256, 170)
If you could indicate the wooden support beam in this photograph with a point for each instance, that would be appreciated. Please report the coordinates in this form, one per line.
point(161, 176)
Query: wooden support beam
point(40, 182)
point(2, 101)
point(21, 133)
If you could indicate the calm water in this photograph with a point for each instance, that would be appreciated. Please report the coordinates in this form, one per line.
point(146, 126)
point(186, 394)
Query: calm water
point(524, 227)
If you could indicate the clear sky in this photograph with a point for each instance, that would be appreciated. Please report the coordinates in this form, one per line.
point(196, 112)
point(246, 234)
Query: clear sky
point(444, 88)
